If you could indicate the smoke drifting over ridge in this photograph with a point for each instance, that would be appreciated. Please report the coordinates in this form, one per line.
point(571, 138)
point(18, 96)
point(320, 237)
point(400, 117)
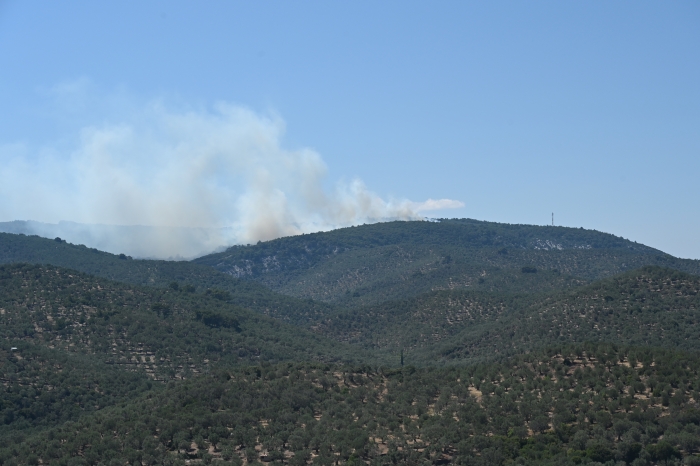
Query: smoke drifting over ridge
point(203, 179)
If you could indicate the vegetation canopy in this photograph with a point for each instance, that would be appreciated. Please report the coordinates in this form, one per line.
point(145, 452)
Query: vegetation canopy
point(449, 342)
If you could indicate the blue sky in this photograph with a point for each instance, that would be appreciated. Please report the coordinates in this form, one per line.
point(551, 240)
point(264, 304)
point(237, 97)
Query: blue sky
point(590, 110)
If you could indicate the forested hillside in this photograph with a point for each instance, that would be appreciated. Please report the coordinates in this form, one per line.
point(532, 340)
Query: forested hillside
point(571, 405)
point(372, 263)
point(651, 306)
point(167, 333)
point(44, 387)
point(158, 273)
point(452, 342)
point(72, 343)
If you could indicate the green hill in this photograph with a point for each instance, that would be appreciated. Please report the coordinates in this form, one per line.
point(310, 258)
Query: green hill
point(651, 306)
point(591, 404)
point(373, 263)
point(72, 343)
point(451, 342)
point(18, 248)
point(44, 387)
point(169, 334)
point(315, 276)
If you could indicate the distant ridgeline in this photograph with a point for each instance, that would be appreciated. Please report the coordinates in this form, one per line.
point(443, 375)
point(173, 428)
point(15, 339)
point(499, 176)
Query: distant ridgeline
point(135, 240)
point(372, 263)
point(305, 250)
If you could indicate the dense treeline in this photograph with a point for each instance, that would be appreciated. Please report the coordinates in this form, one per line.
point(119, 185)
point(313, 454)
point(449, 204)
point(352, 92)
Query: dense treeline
point(590, 404)
point(372, 276)
point(77, 312)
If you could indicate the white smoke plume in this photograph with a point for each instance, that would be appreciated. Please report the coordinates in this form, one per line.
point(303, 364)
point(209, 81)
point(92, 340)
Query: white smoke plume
point(203, 179)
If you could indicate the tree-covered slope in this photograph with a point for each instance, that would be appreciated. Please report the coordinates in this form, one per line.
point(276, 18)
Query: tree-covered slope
point(457, 342)
point(304, 250)
point(44, 387)
point(166, 333)
point(16, 248)
point(72, 344)
point(372, 263)
point(570, 405)
point(649, 306)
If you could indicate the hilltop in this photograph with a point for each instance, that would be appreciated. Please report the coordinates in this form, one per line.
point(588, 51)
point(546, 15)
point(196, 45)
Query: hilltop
point(370, 264)
point(429, 314)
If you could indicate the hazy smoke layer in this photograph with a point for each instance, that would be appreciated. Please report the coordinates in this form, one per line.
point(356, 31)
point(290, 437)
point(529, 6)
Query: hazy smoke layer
point(220, 177)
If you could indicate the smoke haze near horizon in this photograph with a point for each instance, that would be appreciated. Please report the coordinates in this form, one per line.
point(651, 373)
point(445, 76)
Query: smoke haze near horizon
point(203, 179)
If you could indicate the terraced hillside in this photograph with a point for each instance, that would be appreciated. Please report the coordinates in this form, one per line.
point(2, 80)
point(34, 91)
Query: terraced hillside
point(650, 306)
point(44, 387)
point(165, 333)
point(373, 263)
point(160, 274)
point(455, 342)
point(571, 405)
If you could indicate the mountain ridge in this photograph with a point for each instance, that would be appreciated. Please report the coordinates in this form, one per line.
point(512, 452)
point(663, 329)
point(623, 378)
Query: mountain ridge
point(430, 348)
point(363, 265)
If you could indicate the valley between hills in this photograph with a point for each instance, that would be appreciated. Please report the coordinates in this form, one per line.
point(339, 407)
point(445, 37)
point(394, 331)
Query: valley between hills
point(447, 342)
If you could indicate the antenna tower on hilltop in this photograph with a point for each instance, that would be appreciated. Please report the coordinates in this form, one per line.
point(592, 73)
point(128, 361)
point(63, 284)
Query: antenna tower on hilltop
point(552, 218)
